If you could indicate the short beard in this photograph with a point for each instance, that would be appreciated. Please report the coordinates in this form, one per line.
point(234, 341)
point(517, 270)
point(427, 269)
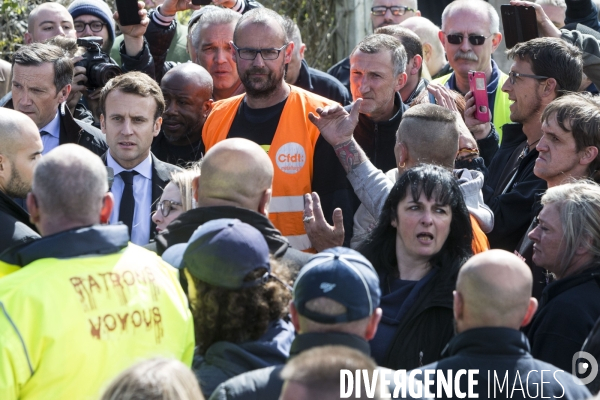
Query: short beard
point(269, 87)
point(16, 187)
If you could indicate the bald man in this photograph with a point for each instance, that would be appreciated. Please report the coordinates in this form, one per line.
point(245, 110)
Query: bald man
point(235, 181)
point(434, 55)
point(20, 149)
point(48, 20)
point(492, 301)
point(187, 89)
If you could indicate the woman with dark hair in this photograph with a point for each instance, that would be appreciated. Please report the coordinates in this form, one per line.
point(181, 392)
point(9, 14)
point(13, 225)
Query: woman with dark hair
point(422, 238)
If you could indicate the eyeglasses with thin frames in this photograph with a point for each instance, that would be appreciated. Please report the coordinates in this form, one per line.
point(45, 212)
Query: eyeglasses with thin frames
point(95, 26)
point(513, 75)
point(475, 40)
point(395, 10)
point(166, 206)
point(266, 54)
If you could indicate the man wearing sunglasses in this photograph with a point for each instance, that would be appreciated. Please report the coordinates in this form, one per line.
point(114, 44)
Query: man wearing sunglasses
point(383, 13)
point(470, 34)
point(275, 115)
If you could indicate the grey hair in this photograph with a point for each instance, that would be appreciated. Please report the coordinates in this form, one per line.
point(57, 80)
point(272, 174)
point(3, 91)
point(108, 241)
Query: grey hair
point(262, 16)
point(579, 204)
point(377, 43)
point(69, 184)
point(218, 16)
point(473, 4)
point(292, 31)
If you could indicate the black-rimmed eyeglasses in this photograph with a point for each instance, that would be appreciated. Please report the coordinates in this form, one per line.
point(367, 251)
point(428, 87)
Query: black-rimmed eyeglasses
point(95, 26)
point(266, 54)
point(512, 75)
point(475, 40)
point(166, 206)
point(395, 10)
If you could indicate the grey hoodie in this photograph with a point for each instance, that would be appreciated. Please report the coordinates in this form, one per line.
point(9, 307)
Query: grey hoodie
point(372, 187)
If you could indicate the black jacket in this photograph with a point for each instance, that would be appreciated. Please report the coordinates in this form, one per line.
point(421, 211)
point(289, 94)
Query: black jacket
point(341, 71)
point(161, 176)
point(180, 230)
point(501, 352)
point(566, 315)
point(95, 239)
point(78, 132)
point(176, 155)
point(15, 227)
point(427, 326)
point(266, 384)
point(378, 139)
point(513, 210)
point(323, 84)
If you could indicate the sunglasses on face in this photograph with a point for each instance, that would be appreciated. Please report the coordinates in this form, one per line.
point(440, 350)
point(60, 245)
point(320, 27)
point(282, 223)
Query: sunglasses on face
point(166, 206)
point(395, 10)
point(475, 40)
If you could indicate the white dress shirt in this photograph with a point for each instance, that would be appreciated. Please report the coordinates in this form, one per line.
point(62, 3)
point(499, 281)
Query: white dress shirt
point(142, 193)
point(50, 140)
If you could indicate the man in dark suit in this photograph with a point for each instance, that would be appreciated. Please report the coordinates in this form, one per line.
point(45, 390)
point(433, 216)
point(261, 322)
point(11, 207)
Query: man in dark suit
point(131, 107)
point(41, 82)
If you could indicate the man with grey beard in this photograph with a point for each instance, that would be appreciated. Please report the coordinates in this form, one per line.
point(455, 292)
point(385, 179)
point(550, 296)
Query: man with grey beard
point(470, 34)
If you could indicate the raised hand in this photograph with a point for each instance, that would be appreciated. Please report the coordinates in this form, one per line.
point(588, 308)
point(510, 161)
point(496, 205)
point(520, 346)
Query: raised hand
point(322, 235)
point(335, 123)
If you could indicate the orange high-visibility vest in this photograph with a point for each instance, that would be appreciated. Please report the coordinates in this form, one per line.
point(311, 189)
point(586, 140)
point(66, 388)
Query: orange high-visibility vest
point(291, 152)
point(480, 241)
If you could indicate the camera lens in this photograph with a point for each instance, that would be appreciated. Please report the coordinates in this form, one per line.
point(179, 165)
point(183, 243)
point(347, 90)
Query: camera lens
point(101, 73)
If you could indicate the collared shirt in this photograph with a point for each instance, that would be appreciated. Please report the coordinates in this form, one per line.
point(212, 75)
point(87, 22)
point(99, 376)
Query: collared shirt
point(51, 140)
point(142, 193)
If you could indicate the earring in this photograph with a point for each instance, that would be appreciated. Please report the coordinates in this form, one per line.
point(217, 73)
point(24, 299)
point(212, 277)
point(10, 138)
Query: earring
point(403, 165)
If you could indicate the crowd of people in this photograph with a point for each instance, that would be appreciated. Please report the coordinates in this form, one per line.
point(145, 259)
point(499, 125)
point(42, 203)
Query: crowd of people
point(195, 212)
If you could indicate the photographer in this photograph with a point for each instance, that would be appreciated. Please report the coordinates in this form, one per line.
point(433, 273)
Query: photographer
point(93, 68)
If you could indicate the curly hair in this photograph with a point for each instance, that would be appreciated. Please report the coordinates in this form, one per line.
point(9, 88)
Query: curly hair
point(240, 315)
point(432, 181)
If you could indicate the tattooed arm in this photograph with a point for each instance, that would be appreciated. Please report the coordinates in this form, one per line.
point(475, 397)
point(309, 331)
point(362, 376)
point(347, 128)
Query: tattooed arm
point(350, 154)
point(337, 127)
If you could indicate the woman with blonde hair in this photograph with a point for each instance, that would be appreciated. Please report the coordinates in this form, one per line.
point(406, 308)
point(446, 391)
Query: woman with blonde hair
point(177, 197)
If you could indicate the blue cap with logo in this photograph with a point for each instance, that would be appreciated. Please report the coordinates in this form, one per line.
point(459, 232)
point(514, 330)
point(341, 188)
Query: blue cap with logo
point(342, 275)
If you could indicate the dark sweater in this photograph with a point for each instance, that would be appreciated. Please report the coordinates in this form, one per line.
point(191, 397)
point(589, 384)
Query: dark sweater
point(568, 310)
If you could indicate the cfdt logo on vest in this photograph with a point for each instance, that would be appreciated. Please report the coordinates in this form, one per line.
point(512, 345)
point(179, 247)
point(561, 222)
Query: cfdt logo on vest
point(290, 158)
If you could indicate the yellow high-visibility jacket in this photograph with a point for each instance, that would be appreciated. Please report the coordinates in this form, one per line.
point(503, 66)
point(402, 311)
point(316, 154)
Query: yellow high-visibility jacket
point(69, 325)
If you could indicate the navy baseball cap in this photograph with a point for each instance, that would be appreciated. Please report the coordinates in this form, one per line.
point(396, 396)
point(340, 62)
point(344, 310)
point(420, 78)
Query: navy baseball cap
point(339, 274)
point(222, 253)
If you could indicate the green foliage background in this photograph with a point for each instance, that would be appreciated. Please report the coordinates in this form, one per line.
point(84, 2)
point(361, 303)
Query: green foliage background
point(316, 19)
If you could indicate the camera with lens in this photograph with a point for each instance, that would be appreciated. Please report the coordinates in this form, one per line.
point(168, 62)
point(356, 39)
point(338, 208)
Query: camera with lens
point(99, 68)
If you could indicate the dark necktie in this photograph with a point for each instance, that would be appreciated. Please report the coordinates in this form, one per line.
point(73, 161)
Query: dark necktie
point(44, 133)
point(127, 206)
